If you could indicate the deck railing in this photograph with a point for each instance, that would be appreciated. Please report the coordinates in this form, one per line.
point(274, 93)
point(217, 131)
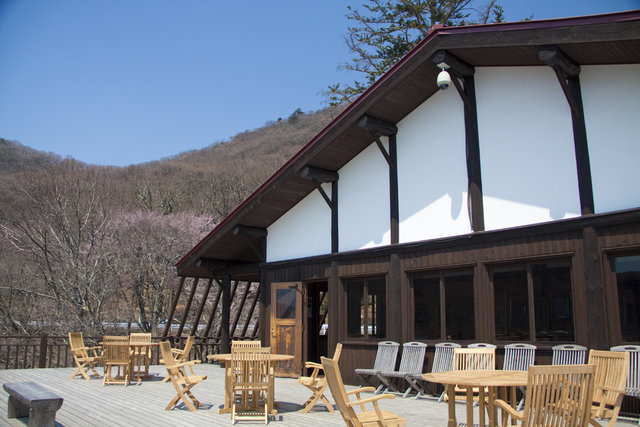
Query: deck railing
point(50, 351)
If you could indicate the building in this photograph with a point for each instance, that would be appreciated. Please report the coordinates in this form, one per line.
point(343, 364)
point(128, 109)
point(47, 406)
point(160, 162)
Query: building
point(505, 208)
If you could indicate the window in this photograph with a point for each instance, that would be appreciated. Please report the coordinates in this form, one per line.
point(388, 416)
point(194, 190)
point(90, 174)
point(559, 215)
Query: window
point(443, 306)
point(366, 308)
point(627, 269)
point(541, 289)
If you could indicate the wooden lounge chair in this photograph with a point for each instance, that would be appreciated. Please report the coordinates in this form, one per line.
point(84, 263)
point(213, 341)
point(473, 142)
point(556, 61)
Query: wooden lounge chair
point(182, 382)
point(609, 384)
point(568, 354)
point(182, 355)
point(117, 361)
point(556, 396)
point(251, 379)
point(385, 361)
point(442, 361)
point(86, 358)
point(317, 383)
point(410, 369)
point(376, 417)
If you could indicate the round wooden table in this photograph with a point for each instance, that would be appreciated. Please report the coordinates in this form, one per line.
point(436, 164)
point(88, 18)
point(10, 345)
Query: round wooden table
point(228, 395)
point(479, 379)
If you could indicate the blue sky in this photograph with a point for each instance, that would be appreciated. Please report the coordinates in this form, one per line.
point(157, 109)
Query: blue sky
point(121, 82)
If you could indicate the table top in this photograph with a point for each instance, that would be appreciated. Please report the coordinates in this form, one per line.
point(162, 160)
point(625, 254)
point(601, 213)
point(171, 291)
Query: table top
point(486, 378)
point(274, 357)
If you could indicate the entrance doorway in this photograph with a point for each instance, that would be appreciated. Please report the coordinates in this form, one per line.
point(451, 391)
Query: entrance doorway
point(317, 308)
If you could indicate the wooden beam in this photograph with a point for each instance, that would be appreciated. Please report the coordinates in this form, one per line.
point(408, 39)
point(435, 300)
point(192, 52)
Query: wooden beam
point(455, 64)
point(319, 174)
point(557, 59)
point(214, 310)
point(472, 146)
point(240, 306)
point(212, 264)
point(174, 304)
point(225, 343)
point(334, 218)
point(394, 204)
point(568, 74)
point(247, 231)
point(323, 194)
point(377, 126)
point(250, 315)
point(203, 302)
point(187, 307)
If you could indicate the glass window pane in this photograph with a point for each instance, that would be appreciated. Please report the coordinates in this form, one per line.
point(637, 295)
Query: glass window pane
point(377, 315)
point(552, 302)
point(286, 303)
point(426, 296)
point(355, 312)
point(511, 305)
point(459, 310)
point(628, 279)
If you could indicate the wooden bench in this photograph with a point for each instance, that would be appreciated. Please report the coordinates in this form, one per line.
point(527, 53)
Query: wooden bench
point(32, 400)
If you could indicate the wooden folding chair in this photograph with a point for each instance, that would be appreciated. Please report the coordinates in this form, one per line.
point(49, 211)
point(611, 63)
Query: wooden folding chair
point(117, 361)
point(251, 377)
point(376, 417)
point(518, 357)
point(556, 396)
point(86, 358)
point(140, 354)
point(317, 383)
point(182, 355)
point(237, 344)
point(467, 359)
point(182, 382)
point(609, 384)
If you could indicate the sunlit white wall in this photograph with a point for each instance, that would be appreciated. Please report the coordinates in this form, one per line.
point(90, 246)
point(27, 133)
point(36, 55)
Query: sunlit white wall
point(611, 99)
point(432, 172)
point(527, 152)
point(305, 230)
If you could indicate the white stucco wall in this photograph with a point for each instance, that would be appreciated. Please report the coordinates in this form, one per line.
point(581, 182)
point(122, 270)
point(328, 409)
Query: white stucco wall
point(432, 172)
point(526, 147)
point(305, 230)
point(363, 200)
point(611, 102)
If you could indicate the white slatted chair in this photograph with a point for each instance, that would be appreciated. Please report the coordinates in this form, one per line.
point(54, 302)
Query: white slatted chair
point(518, 357)
point(410, 369)
point(442, 361)
point(568, 354)
point(633, 375)
point(385, 361)
point(481, 345)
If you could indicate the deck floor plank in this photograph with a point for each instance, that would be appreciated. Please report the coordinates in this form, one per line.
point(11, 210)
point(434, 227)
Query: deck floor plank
point(142, 404)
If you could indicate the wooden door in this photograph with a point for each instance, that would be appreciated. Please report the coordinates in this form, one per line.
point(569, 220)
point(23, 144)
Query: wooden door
point(286, 326)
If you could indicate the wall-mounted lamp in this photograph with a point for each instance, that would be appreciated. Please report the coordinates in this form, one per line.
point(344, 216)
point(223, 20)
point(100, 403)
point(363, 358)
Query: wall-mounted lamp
point(444, 79)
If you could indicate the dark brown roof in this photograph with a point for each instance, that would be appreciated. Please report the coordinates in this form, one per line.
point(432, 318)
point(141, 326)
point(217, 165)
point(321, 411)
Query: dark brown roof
point(598, 39)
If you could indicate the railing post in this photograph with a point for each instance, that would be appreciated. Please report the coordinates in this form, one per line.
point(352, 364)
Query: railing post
point(43, 352)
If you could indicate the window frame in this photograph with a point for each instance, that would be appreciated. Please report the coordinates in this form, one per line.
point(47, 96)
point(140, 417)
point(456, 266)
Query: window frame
point(611, 288)
point(364, 323)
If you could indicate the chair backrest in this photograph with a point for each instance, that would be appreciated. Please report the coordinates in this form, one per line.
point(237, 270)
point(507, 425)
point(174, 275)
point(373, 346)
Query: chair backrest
point(187, 348)
point(611, 375)
point(76, 342)
point(235, 344)
point(337, 352)
point(118, 339)
point(412, 357)
point(140, 338)
point(115, 351)
point(633, 378)
point(334, 379)
point(518, 357)
point(481, 345)
point(559, 395)
point(443, 357)
point(568, 354)
point(176, 373)
point(482, 359)
point(386, 356)
point(167, 355)
point(250, 368)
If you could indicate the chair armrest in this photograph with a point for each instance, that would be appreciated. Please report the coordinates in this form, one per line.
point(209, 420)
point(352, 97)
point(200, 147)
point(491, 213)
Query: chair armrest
point(372, 399)
point(313, 365)
point(506, 407)
point(360, 390)
point(177, 351)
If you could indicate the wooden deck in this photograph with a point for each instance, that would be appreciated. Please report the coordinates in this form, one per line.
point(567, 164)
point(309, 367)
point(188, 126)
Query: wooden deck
point(89, 403)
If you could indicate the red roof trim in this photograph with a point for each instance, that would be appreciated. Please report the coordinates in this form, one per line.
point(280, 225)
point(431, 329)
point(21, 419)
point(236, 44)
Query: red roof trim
point(432, 33)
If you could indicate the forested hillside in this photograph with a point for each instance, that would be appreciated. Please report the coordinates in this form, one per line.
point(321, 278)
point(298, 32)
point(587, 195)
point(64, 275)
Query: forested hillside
point(84, 245)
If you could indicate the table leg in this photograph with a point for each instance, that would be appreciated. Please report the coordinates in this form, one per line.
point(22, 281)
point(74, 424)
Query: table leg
point(481, 405)
point(227, 389)
point(451, 400)
point(469, 391)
